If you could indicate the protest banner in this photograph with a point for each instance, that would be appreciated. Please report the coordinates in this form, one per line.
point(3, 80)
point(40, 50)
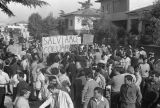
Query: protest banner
point(88, 39)
point(59, 43)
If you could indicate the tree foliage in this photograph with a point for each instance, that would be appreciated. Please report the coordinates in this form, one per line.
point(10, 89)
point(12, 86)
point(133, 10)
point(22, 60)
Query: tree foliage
point(104, 29)
point(35, 25)
point(49, 25)
point(85, 5)
point(39, 27)
point(28, 3)
point(151, 20)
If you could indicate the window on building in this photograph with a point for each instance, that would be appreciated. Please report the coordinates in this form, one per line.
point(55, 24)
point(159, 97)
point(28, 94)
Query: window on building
point(71, 22)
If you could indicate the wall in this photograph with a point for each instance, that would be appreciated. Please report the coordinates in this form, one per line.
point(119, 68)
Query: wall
point(135, 4)
point(78, 23)
point(114, 6)
point(120, 6)
point(69, 22)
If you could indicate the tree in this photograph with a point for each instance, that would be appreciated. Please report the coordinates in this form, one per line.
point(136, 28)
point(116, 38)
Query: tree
point(86, 4)
point(29, 3)
point(106, 31)
point(49, 25)
point(151, 21)
point(35, 25)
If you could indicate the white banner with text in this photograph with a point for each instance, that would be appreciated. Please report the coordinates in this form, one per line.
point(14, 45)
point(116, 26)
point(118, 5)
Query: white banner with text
point(60, 43)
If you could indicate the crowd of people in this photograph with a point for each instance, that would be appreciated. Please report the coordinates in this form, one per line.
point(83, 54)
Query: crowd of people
point(95, 76)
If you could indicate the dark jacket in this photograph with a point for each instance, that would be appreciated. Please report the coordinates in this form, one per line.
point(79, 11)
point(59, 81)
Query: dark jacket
point(21, 86)
point(130, 94)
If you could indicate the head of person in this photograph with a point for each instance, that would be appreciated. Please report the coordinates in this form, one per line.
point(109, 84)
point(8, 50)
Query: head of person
point(62, 71)
point(35, 57)
point(145, 60)
point(98, 92)
point(19, 62)
point(53, 88)
point(11, 42)
point(97, 72)
point(128, 79)
point(25, 93)
point(52, 79)
point(78, 65)
point(88, 73)
point(97, 50)
point(20, 75)
point(54, 71)
point(130, 70)
point(82, 73)
point(7, 62)
point(137, 68)
point(103, 56)
point(155, 77)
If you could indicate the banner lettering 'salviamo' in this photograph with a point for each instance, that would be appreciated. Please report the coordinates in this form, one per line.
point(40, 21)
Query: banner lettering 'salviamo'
point(59, 43)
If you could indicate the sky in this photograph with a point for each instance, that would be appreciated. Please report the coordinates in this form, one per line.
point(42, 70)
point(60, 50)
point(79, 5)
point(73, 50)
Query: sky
point(22, 13)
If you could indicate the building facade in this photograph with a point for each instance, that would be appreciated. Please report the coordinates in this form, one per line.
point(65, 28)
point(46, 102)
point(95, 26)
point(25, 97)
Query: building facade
point(120, 11)
point(81, 20)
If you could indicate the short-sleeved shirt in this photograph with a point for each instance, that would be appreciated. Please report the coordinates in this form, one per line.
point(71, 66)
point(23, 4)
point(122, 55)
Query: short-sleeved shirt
point(144, 70)
point(22, 103)
point(4, 78)
point(40, 78)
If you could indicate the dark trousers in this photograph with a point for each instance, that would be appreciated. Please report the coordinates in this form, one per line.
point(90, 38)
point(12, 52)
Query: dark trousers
point(14, 93)
point(142, 85)
point(115, 100)
point(2, 97)
point(37, 93)
point(128, 105)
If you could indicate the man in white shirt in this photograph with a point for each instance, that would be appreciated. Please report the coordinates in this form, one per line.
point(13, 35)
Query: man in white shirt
point(4, 80)
point(40, 80)
point(22, 101)
point(59, 99)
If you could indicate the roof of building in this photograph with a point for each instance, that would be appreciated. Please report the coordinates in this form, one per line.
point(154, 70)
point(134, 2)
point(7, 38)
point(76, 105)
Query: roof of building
point(85, 12)
point(100, 0)
point(147, 8)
